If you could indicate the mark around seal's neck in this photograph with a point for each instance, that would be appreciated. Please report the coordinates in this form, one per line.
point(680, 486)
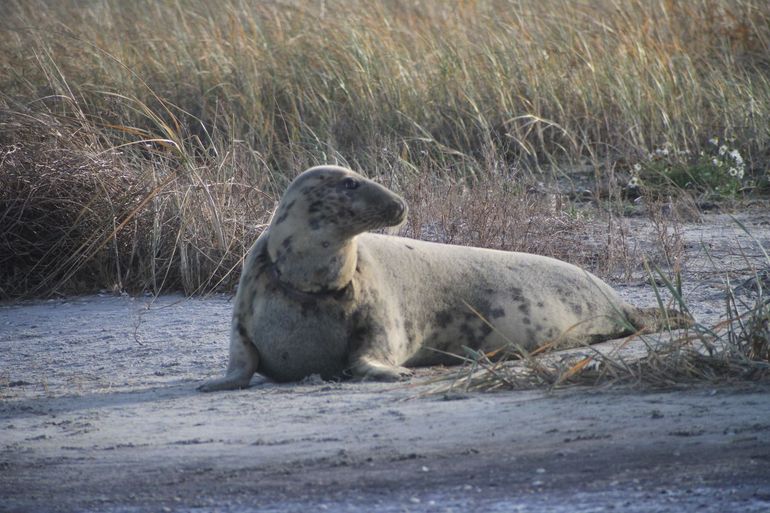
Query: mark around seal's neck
point(307, 269)
point(300, 295)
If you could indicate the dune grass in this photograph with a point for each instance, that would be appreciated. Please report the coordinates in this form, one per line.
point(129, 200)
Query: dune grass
point(144, 143)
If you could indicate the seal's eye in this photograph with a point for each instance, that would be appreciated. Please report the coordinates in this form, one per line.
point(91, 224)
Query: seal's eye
point(350, 183)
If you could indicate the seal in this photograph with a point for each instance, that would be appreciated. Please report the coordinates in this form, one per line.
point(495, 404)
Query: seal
point(318, 295)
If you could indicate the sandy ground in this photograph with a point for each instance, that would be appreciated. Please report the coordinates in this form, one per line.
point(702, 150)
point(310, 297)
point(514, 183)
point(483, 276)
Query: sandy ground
point(99, 412)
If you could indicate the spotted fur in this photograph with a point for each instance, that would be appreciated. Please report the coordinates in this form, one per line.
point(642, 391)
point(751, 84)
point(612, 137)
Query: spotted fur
point(319, 296)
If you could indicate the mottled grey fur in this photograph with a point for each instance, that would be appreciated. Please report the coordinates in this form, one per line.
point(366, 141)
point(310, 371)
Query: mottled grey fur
point(319, 296)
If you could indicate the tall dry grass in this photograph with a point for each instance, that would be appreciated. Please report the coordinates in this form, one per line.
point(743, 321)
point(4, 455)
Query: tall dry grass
point(144, 143)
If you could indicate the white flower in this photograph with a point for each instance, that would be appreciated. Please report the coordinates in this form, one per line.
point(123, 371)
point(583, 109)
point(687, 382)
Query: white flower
point(735, 154)
point(637, 167)
point(722, 149)
point(715, 161)
point(634, 182)
point(714, 141)
point(733, 171)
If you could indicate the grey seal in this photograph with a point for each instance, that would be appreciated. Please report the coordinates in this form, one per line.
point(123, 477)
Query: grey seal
point(319, 295)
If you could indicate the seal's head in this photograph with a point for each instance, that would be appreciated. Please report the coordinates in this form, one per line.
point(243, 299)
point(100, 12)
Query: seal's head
point(335, 201)
point(311, 236)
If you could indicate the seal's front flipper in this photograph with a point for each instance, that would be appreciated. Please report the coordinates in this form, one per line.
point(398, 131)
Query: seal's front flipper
point(244, 360)
point(231, 381)
point(366, 369)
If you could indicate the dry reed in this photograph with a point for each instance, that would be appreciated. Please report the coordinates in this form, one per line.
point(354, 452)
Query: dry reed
point(143, 144)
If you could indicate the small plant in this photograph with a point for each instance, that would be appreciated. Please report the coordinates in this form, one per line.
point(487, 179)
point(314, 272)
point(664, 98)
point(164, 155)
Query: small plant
point(720, 170)
point(755, 333)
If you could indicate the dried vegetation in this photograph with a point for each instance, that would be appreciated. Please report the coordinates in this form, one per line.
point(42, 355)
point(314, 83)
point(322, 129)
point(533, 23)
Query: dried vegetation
point(144, 143)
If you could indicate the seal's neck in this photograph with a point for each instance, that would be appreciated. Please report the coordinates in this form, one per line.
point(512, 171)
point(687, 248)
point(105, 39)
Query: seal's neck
point(312, 266)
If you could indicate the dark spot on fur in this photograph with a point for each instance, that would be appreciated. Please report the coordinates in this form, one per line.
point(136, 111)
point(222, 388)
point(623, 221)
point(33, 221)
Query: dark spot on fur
point(263, 263)
point(314, 223)
point(325, 244)
point(540, 304)
point(409, 329)
point(475, 326)
point(242, 331)
point(408, 246)
point(444, 318)
point(577, 308)
point(517, 294)
point(287, 243)
point(363, 330)
point(252, 297)
point(315, 207)
point(253, 272)
point(310, 308)
point(285, 356)
point(496, 313)
point(526, 320)
point(524, 307)
point(281, 218)
point(469, 334)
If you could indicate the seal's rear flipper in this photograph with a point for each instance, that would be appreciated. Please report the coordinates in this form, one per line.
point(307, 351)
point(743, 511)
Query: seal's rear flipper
point(652, 320)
